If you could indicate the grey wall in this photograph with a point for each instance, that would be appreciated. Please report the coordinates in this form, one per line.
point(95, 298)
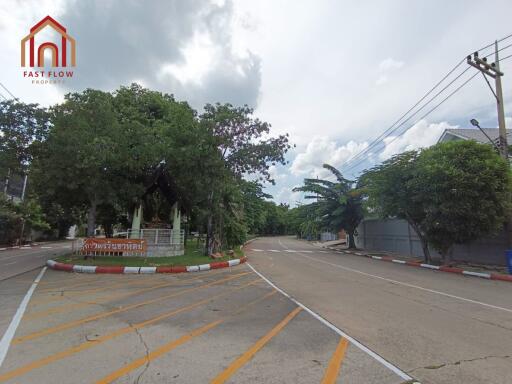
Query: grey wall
point(397, 236)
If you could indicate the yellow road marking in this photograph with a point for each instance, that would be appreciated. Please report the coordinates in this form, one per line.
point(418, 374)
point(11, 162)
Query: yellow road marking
point(109, 336)
point(67, 307)
point(45, 300)
point(170, 346)
point(60, 287)
point(247, 355)
point(102, 315)
point(333, 369)
point(160, 351)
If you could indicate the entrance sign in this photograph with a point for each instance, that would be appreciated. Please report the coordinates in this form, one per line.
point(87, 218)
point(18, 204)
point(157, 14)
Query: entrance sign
point(94, 246)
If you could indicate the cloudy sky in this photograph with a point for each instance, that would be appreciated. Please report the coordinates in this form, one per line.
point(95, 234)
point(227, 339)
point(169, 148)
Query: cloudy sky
point(332, 74)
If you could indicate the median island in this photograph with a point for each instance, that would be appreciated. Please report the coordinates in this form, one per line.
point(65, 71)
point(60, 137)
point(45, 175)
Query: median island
point(194, 255)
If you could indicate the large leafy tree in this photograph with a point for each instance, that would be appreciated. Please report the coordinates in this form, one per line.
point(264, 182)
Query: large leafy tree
point(22, 128)
point(242, 147)
point(451, 193)
point(84, 161)
point(393, 192)
point(338, 203)
point(465, 192)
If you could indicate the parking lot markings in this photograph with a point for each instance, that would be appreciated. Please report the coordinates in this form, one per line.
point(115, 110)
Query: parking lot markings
point(46, 300)
point(68, 307)
point(160, 351)
point(247, 355)
point(101, 315)
point(333, 369)
point(173, 344)
point(109, 336)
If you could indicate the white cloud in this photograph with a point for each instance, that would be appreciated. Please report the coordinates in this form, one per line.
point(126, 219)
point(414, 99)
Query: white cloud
point(274, 173)
point(383, 79)
point(287, 196)
point(320, 150)
point(390, 64)
point(421, 135)
point(386, 67)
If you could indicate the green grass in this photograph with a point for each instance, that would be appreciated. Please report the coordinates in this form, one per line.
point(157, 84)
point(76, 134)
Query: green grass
point(193, 256)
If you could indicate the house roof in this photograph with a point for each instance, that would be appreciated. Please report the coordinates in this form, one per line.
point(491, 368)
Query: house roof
point(473, 134)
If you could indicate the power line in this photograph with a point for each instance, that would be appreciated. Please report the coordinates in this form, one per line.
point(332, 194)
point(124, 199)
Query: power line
point(375, 142)
point(379, 140)
point(9, 92)
point(426, 114)
point(391, 130)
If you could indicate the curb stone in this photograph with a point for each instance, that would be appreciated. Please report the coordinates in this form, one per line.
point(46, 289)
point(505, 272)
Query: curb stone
point(459, 271)
point(143, 270)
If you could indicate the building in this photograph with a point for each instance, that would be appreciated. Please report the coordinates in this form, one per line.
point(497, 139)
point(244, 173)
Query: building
point(12, 188)
point(473, 134)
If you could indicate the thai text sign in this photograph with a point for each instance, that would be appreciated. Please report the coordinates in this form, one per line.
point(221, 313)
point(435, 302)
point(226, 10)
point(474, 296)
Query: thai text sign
point(114, 245)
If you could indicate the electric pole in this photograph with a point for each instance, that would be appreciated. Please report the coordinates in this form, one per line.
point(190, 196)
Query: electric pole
point(493, 70)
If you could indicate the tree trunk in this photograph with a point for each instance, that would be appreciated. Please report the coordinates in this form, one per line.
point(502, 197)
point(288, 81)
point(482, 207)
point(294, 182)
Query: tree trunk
point(426, 251)
point(351, 240)
point(209, 235)
point(446, 256)
point(424, 243)
point(91, 218)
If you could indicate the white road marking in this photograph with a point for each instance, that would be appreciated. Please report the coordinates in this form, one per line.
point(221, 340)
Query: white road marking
point(410, 285)
point(11, 330)
point(3, 249)
point(306, 251)
point(356, 343)
point(290, 250)
point(12, 262)
point(273, 250)
point(46, 247)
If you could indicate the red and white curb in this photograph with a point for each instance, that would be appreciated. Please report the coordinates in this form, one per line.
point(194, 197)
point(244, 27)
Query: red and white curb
point(460, 271)
point(143, 270)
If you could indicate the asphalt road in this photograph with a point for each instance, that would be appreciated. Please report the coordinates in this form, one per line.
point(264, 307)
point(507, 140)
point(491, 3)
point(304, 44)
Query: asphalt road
point(302, 315)
point(220, 326)
point(14, 261)
point(18, 269)
point(438, 327)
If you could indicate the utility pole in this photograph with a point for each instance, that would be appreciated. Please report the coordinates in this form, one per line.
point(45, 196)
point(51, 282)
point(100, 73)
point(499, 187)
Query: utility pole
point(493, 70)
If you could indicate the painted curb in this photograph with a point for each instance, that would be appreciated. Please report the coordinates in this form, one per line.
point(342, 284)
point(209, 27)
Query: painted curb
point(459, 271)
point(143, 270)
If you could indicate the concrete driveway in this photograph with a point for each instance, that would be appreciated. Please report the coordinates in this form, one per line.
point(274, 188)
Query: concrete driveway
point(436, 326)
point(218, 326)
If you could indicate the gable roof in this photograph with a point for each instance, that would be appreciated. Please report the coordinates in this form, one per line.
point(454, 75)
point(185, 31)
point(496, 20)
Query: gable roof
point(473, 134)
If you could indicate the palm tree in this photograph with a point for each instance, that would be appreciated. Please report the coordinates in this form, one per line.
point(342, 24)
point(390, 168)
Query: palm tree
point(338, 203)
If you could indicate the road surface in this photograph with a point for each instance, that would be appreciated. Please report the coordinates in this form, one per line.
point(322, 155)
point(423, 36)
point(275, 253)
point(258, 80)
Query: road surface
point(14, 261)
point(438, 327)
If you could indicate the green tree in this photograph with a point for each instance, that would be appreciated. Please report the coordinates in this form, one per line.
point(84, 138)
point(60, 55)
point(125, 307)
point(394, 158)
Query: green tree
point(451, 193)
point(393, 192)
point(84, 161)
point(22, 128)
point(339, 203)
point(241, 146)
point(465, 192)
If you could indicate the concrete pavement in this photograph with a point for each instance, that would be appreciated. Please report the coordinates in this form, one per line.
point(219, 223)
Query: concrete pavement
point(14, 261)
point(222, 326)
point(440, 328)
point(18, 268)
